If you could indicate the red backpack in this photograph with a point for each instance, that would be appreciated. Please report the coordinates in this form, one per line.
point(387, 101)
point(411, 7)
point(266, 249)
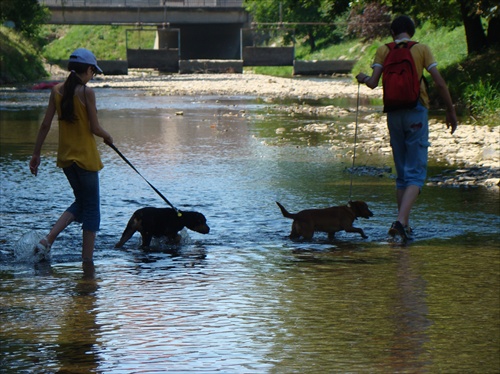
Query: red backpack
point(400, 79)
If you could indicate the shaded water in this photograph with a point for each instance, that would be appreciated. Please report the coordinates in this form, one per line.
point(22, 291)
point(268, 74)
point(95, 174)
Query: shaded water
point(244, 298)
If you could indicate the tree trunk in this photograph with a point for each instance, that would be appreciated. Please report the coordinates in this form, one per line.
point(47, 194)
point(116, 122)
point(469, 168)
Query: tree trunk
point(494, 32)
point(474, 32)
point(312, 39)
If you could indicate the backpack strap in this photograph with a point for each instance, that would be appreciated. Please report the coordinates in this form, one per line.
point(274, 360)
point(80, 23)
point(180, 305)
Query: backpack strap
point(408, 45)
point(391, 45)
point(411, 43)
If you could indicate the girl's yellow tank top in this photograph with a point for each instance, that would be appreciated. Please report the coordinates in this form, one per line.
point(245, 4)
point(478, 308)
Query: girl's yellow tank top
point(76, 142)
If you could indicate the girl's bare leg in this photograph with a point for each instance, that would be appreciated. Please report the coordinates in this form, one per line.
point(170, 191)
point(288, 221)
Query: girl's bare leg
point(63, 222)
point(88, 245)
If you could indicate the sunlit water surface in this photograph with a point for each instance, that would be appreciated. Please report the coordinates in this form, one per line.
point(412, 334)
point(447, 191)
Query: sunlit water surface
point(244, 298)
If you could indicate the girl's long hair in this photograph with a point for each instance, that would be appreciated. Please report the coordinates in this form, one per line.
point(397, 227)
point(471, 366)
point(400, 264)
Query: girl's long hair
point(73, 80)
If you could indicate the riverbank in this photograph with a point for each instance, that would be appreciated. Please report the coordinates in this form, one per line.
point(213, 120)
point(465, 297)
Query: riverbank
point(246, 84)
point(473, 150)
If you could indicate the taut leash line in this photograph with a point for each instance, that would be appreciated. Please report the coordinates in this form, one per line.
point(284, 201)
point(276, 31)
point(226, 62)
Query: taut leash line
point(137, 171)
point(355, 141)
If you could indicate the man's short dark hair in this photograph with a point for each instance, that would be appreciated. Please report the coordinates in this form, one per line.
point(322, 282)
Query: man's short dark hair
point(403, 24)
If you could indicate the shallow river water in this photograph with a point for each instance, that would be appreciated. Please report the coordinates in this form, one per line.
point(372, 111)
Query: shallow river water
point(244, 298)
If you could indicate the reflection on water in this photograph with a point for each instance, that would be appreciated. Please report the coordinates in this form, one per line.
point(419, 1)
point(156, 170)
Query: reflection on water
point(244, 298)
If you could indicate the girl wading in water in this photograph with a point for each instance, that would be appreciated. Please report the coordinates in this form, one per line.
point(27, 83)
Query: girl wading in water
point(77, 154)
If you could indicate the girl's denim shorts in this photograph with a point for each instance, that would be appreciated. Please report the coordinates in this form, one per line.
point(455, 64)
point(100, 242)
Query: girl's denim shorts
point(86, 207)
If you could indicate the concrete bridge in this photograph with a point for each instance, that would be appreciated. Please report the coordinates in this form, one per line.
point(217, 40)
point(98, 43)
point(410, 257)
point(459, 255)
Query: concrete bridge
point(175, 12)
point(191, 36)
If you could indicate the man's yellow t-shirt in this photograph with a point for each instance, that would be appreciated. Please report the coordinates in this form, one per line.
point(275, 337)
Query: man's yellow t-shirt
point(422, 56)
point(76, 141)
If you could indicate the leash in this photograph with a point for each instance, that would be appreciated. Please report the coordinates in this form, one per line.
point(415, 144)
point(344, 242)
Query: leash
point(137, 171)
point(355, 142)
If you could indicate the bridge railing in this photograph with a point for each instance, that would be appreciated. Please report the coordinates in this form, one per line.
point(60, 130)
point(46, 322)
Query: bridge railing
point(145, 3)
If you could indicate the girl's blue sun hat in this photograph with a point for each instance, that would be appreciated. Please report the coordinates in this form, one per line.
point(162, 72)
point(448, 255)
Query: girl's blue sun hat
point(86, 57)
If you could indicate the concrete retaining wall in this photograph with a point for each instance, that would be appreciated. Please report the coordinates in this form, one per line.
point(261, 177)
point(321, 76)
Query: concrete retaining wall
point(113, 67)
point(322, 67)
point(165, 60)
point(109, 67)
point(168, 61)
point(268, 56)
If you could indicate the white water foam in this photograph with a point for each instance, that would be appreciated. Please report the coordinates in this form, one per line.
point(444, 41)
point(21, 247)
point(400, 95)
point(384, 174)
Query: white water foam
point(163, 243)
point(24, 248)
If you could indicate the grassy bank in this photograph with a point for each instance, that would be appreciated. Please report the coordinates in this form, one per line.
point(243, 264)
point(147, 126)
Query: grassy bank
point(106, 42)
point(20, 61)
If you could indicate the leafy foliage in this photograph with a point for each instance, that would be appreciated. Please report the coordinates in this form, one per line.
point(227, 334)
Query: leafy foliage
point(370, 22)
point(445, 13)
point(473, 14)
point(27, 15)
point(483, 98)
point(311, 19)
point(19, 60)
point(475, 82)
point(319, 19)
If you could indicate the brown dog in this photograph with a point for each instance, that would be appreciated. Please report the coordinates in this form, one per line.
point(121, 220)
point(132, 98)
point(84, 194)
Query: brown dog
point(162, 222)
point(329, 220)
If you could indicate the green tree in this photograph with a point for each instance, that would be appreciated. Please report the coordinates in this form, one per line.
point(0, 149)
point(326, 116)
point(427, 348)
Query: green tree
point(312, 19)
point(27, 15)
point(471, 13)
point(312, 16)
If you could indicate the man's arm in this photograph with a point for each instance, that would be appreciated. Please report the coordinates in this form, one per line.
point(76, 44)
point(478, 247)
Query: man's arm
point(372, 81)
point(451, 116)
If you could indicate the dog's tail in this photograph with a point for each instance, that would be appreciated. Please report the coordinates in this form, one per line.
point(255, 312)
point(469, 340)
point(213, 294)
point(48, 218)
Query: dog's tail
point(285, 212)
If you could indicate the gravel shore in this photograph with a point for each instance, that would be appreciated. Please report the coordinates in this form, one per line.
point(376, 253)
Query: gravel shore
point(246, 84)
point(473, 151)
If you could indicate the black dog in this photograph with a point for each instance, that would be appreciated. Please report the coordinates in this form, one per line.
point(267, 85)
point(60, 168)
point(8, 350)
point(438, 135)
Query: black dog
point(162, 222)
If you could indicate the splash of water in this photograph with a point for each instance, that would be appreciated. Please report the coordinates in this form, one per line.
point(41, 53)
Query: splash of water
point(24, 248)
point(162, 243)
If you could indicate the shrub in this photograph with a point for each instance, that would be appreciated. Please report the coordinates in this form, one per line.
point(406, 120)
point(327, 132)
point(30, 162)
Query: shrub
point(482, 99)
point(374, 22)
